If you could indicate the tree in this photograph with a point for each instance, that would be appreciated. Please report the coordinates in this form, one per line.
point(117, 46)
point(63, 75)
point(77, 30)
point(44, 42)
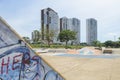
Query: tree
point(49, 36)
point(116, 44)
point(119, 38)
point(66, 35)
point(35, 36)
point(109, 43)
point(96, 43)
point(27, 39)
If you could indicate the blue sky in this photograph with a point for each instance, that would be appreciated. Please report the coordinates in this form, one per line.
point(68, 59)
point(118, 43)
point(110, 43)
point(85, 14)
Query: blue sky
point(24, 15)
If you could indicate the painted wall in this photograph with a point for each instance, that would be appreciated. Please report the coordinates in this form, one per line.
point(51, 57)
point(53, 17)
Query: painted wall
point(18, 61)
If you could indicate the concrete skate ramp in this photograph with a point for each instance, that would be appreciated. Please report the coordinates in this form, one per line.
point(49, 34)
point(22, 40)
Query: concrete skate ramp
point(18, 61)
point(89, 51)
point(86, 51)
point(73, 68)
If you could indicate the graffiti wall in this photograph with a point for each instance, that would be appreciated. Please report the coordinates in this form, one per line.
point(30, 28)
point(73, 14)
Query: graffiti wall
point(18, 61)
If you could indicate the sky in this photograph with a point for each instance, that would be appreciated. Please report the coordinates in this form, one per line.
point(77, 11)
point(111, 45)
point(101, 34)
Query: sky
point(24, 15)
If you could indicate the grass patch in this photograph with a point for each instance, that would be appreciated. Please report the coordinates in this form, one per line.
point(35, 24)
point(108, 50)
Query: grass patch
point(56, 46)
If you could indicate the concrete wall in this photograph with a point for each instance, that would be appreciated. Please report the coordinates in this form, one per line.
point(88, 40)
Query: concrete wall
point(18, 61)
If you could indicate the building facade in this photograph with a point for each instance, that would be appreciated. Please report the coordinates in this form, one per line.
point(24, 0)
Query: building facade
point(91, 30)
point(35, 36)
point(64, 23)
point(76, 28)
point(49, 21)
point(72, 24)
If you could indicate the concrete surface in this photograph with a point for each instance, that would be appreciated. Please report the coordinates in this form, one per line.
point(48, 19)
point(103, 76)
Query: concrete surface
point(72, 68)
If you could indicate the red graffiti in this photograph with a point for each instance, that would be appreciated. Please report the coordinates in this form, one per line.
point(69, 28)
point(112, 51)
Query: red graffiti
point(6, 63)
point(15, 61)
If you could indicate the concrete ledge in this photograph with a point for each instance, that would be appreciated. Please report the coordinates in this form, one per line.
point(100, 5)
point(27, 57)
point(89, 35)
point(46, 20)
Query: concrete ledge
point(107, 51)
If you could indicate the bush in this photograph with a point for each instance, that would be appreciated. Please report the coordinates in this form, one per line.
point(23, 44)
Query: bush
point(55, 46)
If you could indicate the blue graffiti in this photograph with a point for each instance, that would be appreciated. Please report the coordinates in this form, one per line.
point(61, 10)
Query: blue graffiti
point(29, 67)
point(18, 61)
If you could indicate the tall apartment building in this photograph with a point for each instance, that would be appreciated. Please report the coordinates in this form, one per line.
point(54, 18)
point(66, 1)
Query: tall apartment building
point(35, 36)
point(64, 23)
point(72, 24)
point(49, 21)
point(91, 30)
point(76, 28)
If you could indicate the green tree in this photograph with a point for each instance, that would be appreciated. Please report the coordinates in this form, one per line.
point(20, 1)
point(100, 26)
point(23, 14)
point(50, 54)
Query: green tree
point(97, 43)
point(109, 43)
point(118, 41)
point(49, 36)
point(119, 38)
point(66, 35)
point(27, 39)
point(35, 36)
point(116, 44)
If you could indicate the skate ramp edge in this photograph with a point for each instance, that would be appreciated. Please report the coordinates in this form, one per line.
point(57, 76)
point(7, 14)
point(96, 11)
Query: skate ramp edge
point(18, 61)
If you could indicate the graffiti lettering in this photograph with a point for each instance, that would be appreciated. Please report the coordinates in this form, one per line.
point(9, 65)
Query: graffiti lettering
point(6, 63)
point(15, 61)
point(18, 61)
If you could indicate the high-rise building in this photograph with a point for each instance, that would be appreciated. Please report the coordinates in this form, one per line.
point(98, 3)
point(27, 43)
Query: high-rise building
point(76, 28)
point(72, 24)
point(64, 23)
point(91, 30)
point(35, 36)
point(49, 21)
